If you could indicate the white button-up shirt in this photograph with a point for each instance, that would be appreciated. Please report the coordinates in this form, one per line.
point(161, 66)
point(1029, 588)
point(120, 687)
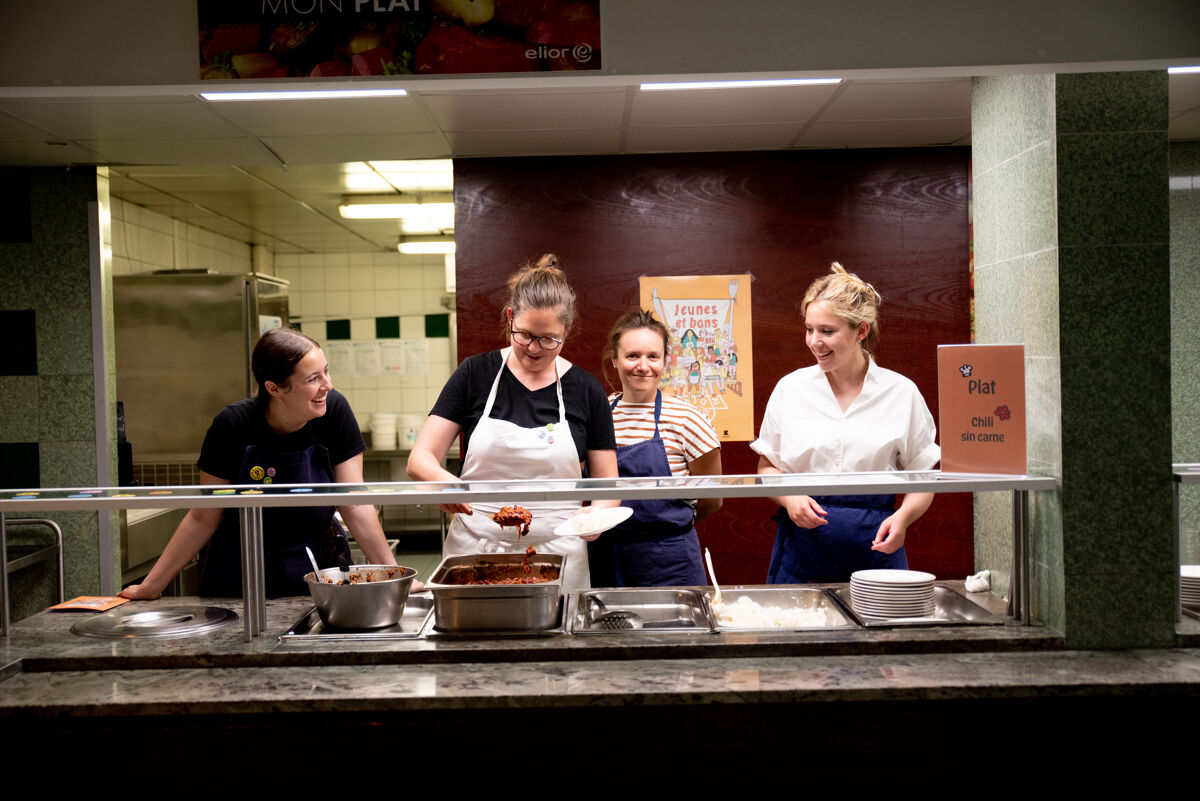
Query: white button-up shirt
point(887, 427)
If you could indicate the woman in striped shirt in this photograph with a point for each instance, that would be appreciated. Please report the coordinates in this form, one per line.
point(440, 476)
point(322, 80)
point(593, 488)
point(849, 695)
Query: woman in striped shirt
point(657, 435)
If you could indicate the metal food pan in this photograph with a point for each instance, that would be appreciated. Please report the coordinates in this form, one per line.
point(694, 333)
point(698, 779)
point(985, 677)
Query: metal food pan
point(659, 610)
point(950, 608)
point(495, 607)
point(826, 615)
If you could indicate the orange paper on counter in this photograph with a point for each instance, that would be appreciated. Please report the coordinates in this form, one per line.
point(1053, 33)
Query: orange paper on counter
point(90, 603)
point(981, 395)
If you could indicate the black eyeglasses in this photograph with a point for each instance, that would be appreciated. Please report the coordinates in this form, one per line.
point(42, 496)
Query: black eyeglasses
point(524, 338)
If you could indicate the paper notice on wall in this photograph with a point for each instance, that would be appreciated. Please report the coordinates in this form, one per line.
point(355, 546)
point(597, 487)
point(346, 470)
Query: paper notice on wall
point(416, 356)
point(981, 395)
point(391, 356)
point(367, 362)
point(341, 360)
point(709, 362)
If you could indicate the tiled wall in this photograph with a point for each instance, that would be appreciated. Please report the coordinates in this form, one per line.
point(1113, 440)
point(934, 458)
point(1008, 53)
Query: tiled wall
point(342, 296)
point(1185, 318)
point(1016, 302)
point(1071, 222)
point(47, 414)
point(144, 241)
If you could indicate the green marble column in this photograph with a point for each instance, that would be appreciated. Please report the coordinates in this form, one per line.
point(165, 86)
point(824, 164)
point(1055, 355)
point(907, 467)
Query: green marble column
point(48, 412)
point(1072, 259)
point(1185, 320)
point(1014, 202)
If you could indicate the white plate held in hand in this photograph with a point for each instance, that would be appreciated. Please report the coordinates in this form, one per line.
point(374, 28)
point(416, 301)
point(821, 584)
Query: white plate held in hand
point(596, 521)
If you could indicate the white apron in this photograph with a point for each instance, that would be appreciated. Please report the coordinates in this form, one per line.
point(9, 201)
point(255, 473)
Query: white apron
point(501, 450)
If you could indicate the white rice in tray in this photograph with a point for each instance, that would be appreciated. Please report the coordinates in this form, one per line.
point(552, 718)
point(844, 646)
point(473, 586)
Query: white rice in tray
point(747, 614)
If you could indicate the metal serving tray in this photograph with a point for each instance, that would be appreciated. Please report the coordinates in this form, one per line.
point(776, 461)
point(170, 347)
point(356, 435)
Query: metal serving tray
point(950, 608)
point(659, 610)
point(310, 628)
point(826, 616)
point(521, 608)
point(556, 627)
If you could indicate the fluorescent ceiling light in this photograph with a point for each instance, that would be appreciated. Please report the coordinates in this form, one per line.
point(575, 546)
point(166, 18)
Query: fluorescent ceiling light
point(395, 207)
point(425, 244)
point(1182, 70)
point(676, 85)
point(303, 94)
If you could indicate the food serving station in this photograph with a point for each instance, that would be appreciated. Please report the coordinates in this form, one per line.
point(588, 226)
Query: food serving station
point(661, 690)
point(250, 500)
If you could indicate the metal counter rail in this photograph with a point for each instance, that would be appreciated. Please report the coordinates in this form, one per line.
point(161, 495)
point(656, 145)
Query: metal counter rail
point(252, 499)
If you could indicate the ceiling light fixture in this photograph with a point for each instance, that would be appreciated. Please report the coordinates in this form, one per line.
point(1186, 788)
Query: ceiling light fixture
point(425, 244)
point(394, 207)
point(1182, 70)
point(669, 86)
point(303, 94)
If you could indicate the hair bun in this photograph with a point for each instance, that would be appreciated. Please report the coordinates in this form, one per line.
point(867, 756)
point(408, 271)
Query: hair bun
point(548, 260)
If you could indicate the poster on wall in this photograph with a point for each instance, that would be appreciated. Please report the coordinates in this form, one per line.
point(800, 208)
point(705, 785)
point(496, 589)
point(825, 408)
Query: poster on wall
point(981, 400)
point(709, 362)
point(264, 39)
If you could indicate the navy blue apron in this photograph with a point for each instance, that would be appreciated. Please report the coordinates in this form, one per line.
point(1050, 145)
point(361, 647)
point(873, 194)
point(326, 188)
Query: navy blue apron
point(657, 546)
point(286, 531)
point(830, 553)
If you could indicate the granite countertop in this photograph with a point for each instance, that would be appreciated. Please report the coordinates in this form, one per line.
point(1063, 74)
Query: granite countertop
point(44, 643)
point(46, 671)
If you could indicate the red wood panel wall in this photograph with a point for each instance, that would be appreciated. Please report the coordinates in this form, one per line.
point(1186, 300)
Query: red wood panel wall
point(896, 217)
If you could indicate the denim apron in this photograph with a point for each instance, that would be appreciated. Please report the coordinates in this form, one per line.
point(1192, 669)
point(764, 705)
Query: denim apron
point(286, 530)
point(657, 545)
point(830, 553)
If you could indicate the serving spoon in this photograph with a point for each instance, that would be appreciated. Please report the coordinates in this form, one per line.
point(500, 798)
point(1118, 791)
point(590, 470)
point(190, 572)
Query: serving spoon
point(713, 575)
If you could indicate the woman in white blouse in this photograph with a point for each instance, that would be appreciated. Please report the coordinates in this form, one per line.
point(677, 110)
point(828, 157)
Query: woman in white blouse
point(844, 414)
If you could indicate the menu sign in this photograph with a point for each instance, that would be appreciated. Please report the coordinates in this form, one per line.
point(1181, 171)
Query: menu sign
point(981, 392)
point(334, 38)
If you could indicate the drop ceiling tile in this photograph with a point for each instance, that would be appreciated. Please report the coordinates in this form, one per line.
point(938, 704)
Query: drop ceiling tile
point(327, 117)
point(142, 151)
point(353, 147)
point(711, 137)
point(1185, 126)
point(535, 143)
point(547, 110)
point(142, 119)
point(1183, 92)
point(39, 154)
point(729, 106)
point(891, 133)
point(901, 100)
point(12, 128)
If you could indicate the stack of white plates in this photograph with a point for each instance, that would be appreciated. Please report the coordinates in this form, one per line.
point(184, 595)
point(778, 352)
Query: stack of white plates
point(1189, 585)
point(892, 593)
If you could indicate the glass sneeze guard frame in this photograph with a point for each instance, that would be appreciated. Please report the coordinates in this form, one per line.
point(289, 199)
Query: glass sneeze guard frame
point(250, 500)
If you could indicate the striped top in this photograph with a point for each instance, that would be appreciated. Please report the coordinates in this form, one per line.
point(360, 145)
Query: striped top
point(685, 431)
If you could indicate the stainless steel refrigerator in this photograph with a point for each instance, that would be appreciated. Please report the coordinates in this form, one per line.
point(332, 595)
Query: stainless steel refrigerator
point(183, 342)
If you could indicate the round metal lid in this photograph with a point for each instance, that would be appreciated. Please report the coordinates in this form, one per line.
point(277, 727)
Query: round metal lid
point(173, 621)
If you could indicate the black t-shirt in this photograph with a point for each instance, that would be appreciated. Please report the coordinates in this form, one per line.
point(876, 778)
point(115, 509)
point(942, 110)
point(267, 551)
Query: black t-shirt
point(465, 395)
point(245, 423)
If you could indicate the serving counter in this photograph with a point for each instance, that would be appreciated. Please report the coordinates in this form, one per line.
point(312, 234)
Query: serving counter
point(250, 500)
point(695, 713)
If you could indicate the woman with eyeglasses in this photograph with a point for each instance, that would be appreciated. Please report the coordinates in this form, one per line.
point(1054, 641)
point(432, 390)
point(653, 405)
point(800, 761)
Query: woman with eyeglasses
point(525, 414)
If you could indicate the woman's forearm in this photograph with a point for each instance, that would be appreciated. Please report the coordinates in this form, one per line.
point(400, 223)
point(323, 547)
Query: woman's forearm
point(193, 533)
point(368, 533)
